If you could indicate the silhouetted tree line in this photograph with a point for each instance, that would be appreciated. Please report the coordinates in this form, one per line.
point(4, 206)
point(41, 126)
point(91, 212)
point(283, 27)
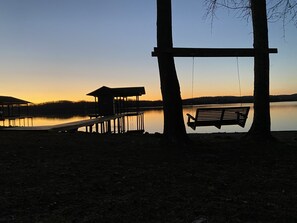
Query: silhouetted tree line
point(234, 99)
point(69, 108)
point(63, 108)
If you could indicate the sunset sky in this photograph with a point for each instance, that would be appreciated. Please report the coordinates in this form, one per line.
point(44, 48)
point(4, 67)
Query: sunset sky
point(54, 50)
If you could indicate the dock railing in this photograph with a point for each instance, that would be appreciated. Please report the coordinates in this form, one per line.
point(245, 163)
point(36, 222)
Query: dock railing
point(120, 123)
point(16, 120)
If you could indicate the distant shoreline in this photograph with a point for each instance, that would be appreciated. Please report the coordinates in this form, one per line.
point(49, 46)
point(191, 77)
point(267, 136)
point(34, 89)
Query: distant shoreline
point(237, 99)
point(86, 107)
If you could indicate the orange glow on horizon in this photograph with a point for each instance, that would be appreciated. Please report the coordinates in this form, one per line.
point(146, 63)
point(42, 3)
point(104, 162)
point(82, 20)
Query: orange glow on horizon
point(151, 94)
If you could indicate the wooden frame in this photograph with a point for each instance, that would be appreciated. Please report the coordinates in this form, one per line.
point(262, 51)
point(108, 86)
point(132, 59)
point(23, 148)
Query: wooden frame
point(208, 52)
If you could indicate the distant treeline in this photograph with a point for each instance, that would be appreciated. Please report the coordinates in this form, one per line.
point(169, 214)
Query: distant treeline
point(63, 108)
point(68, 108)
point(234, 99)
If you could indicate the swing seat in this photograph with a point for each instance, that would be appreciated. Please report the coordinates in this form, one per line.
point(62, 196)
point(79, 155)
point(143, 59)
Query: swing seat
point(218, 117)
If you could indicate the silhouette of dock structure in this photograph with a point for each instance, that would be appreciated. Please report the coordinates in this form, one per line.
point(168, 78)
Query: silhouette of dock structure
point(114, 102)
point(14, 112)
point(114, 113)
point(118, 123)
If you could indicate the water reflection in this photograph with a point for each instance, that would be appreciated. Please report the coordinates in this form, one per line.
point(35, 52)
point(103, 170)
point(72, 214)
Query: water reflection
point(44, 121)
point(283, 117)
point(153, 121)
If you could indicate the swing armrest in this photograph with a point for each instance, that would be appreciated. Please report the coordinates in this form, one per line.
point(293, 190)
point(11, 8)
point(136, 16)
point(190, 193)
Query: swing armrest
point(190, 117)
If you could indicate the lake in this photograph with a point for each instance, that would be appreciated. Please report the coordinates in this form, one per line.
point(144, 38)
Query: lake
point(283, 118)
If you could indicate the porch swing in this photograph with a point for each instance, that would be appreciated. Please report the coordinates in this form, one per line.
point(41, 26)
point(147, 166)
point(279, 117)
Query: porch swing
point(213, 116)
point(218, 116)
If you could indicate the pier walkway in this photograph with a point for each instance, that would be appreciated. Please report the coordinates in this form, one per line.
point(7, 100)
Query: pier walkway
point(118, 123)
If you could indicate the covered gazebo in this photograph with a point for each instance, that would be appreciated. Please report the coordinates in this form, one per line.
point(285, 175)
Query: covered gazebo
point(112, 101)
point(118, 110)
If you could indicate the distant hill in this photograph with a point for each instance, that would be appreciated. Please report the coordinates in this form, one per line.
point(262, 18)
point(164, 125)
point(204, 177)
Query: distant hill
point(63, 108)
point(235, 99)
point(68, 108)
point(277, 98)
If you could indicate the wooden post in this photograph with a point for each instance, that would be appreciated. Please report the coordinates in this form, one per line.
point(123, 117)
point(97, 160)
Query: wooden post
point(119, 128)
point(109, 126)
point(123, 124)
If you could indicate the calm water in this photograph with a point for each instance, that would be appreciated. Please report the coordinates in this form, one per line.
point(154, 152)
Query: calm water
point(283, 117)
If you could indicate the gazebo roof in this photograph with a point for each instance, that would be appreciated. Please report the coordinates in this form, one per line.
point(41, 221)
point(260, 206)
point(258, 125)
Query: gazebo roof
point(118, 92)
point(7, 100)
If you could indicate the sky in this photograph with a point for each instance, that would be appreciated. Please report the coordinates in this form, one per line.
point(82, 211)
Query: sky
point(53, 50)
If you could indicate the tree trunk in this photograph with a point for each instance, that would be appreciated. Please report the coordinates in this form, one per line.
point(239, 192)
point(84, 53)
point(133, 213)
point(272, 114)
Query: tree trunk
point(174, 127)
point(260, 128)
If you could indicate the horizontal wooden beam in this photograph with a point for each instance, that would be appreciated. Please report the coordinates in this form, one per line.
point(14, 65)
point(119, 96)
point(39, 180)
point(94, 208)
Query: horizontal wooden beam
point(208, 52)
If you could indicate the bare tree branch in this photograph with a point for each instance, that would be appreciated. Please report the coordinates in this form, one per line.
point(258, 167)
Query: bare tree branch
point(284, 10)
point(277, 10)
point(241, 7)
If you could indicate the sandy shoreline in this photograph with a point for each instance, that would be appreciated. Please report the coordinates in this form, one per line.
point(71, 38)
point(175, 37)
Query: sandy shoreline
point(58, 177)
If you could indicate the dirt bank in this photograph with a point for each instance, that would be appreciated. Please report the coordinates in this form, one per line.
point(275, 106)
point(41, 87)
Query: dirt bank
point(52, 177)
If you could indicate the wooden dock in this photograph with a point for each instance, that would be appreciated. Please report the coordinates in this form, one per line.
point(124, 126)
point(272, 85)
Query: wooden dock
point(13, 120)
point(118, 123)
